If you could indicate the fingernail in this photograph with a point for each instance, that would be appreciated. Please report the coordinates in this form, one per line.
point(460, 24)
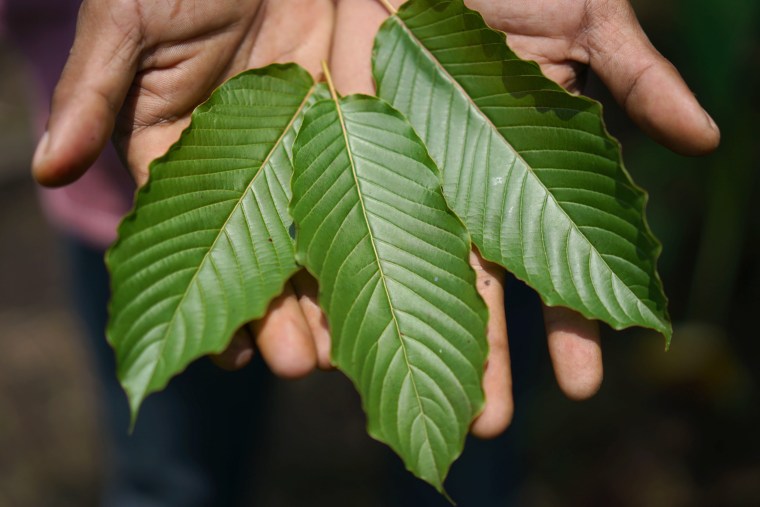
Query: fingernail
point(712, 123)
point(41, 151)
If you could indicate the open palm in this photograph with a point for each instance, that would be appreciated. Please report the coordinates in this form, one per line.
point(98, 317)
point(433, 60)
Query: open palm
point(141, 67)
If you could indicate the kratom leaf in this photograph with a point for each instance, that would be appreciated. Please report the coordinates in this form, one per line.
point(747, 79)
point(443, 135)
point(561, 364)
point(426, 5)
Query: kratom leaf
point(407, 324)
point(530, 168)
point(207, 245)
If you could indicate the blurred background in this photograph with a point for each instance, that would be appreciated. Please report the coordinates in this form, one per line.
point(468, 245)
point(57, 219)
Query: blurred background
point(667, 429)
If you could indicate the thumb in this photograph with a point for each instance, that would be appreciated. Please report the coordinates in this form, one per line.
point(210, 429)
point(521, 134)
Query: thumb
point(88, 96)
point(645, 83)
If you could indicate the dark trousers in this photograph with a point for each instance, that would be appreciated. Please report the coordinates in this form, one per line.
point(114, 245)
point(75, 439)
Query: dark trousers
point(192, 442)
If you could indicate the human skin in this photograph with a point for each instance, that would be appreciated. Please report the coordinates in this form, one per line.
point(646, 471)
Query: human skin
point(131, 63)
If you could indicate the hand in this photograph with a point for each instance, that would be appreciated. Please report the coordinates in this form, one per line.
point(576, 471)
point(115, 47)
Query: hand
point(564, 37)
point(130, 68)
point(139, 68)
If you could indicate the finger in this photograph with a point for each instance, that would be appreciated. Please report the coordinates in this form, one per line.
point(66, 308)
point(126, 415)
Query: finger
point(497, 380)
point(356, 24)
point(306, 289)
point(284, 338)
point(239, 352)
point(575, 350)
point(645, 83)
point(88, 96)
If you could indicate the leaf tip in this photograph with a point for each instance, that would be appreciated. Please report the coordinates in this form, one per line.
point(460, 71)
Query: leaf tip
point(439, 487)
point(134, 409)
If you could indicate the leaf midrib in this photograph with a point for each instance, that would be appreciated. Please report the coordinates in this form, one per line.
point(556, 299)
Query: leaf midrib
point(164, 338)
point(391, 307)
point(529, 168)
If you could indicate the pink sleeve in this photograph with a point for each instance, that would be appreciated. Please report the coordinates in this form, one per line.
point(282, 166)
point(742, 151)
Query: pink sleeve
point(90, 208)
point(2, 18)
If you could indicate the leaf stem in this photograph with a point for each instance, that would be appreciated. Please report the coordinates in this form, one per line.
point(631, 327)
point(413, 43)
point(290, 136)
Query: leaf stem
point(391, 9)
point(330, 84)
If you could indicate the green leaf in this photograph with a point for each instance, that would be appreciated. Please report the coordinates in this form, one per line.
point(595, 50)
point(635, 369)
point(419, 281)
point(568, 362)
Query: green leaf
point(207, 247)
point(530, 168)
point(407, 324)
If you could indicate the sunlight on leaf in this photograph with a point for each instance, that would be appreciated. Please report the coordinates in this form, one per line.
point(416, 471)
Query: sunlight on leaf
point(407, 323)
point(207, 247)
point(530, 168)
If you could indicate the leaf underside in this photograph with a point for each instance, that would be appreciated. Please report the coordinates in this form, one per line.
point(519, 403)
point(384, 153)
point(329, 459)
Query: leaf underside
point(407, 324)
point(530, 168)
point(207, 245)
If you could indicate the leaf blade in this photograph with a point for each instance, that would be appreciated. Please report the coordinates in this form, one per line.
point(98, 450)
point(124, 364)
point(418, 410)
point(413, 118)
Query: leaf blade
point(207, 245)
point(391, 261)
point(534, 173)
